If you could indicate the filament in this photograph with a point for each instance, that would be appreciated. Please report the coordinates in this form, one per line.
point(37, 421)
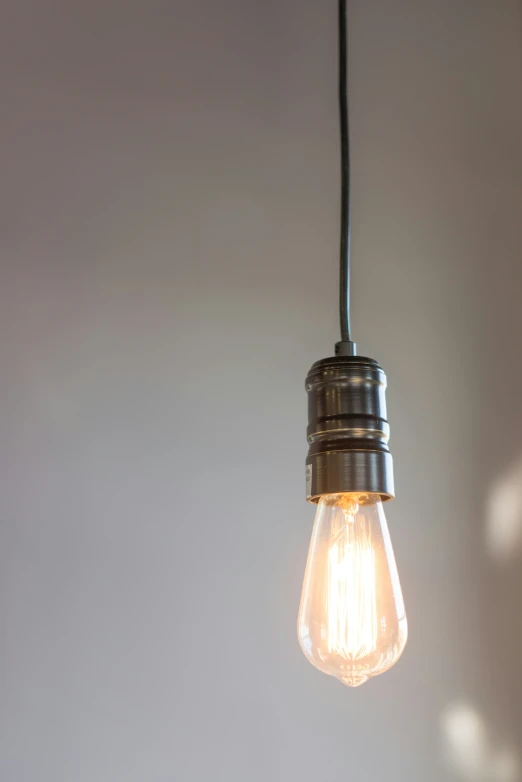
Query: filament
point(352, 605)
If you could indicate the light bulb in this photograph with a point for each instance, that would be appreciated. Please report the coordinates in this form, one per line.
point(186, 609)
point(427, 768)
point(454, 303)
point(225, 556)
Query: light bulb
point(352, 623)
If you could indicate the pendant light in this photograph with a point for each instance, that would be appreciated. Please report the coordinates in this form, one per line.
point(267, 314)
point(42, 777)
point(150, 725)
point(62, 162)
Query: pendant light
point(352, 623)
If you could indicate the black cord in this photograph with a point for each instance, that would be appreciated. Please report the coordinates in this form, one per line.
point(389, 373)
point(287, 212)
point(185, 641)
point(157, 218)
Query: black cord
point(344, 310)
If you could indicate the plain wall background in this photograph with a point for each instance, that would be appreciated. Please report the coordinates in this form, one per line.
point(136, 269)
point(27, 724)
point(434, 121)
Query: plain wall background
point(169, 255)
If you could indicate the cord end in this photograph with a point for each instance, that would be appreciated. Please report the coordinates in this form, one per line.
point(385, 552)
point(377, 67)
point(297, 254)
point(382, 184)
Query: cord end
point(345, 348)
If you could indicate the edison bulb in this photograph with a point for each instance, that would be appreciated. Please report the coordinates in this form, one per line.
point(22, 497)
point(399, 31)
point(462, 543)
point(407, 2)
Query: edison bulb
point(352, 623)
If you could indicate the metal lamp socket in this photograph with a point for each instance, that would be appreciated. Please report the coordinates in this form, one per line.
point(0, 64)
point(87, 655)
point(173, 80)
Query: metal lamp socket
point(347, 429)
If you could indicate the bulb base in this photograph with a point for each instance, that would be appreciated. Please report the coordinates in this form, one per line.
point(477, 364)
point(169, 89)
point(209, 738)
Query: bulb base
point(347, 431)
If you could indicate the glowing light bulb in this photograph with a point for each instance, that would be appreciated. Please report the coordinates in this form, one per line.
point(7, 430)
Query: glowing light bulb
point(352, 623)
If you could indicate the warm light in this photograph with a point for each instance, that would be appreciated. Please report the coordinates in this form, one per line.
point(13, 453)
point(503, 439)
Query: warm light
point(471, 749)
point(352, 622)
point(504, 517)
point(351, 592)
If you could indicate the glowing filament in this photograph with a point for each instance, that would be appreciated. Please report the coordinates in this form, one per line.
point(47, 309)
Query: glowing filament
point(352, 623)
point(352, 608)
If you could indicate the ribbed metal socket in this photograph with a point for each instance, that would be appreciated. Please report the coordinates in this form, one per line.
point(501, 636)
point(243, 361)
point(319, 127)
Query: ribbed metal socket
point(347, 429)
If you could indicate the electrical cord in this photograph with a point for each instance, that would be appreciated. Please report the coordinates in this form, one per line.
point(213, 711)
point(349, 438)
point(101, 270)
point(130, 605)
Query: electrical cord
point(344, 309)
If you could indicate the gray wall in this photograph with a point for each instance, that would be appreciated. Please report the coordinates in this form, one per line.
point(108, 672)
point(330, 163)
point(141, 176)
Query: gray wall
point(169, 218)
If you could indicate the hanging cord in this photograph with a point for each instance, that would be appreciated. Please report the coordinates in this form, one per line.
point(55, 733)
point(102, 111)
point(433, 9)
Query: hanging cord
point(345, 176)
